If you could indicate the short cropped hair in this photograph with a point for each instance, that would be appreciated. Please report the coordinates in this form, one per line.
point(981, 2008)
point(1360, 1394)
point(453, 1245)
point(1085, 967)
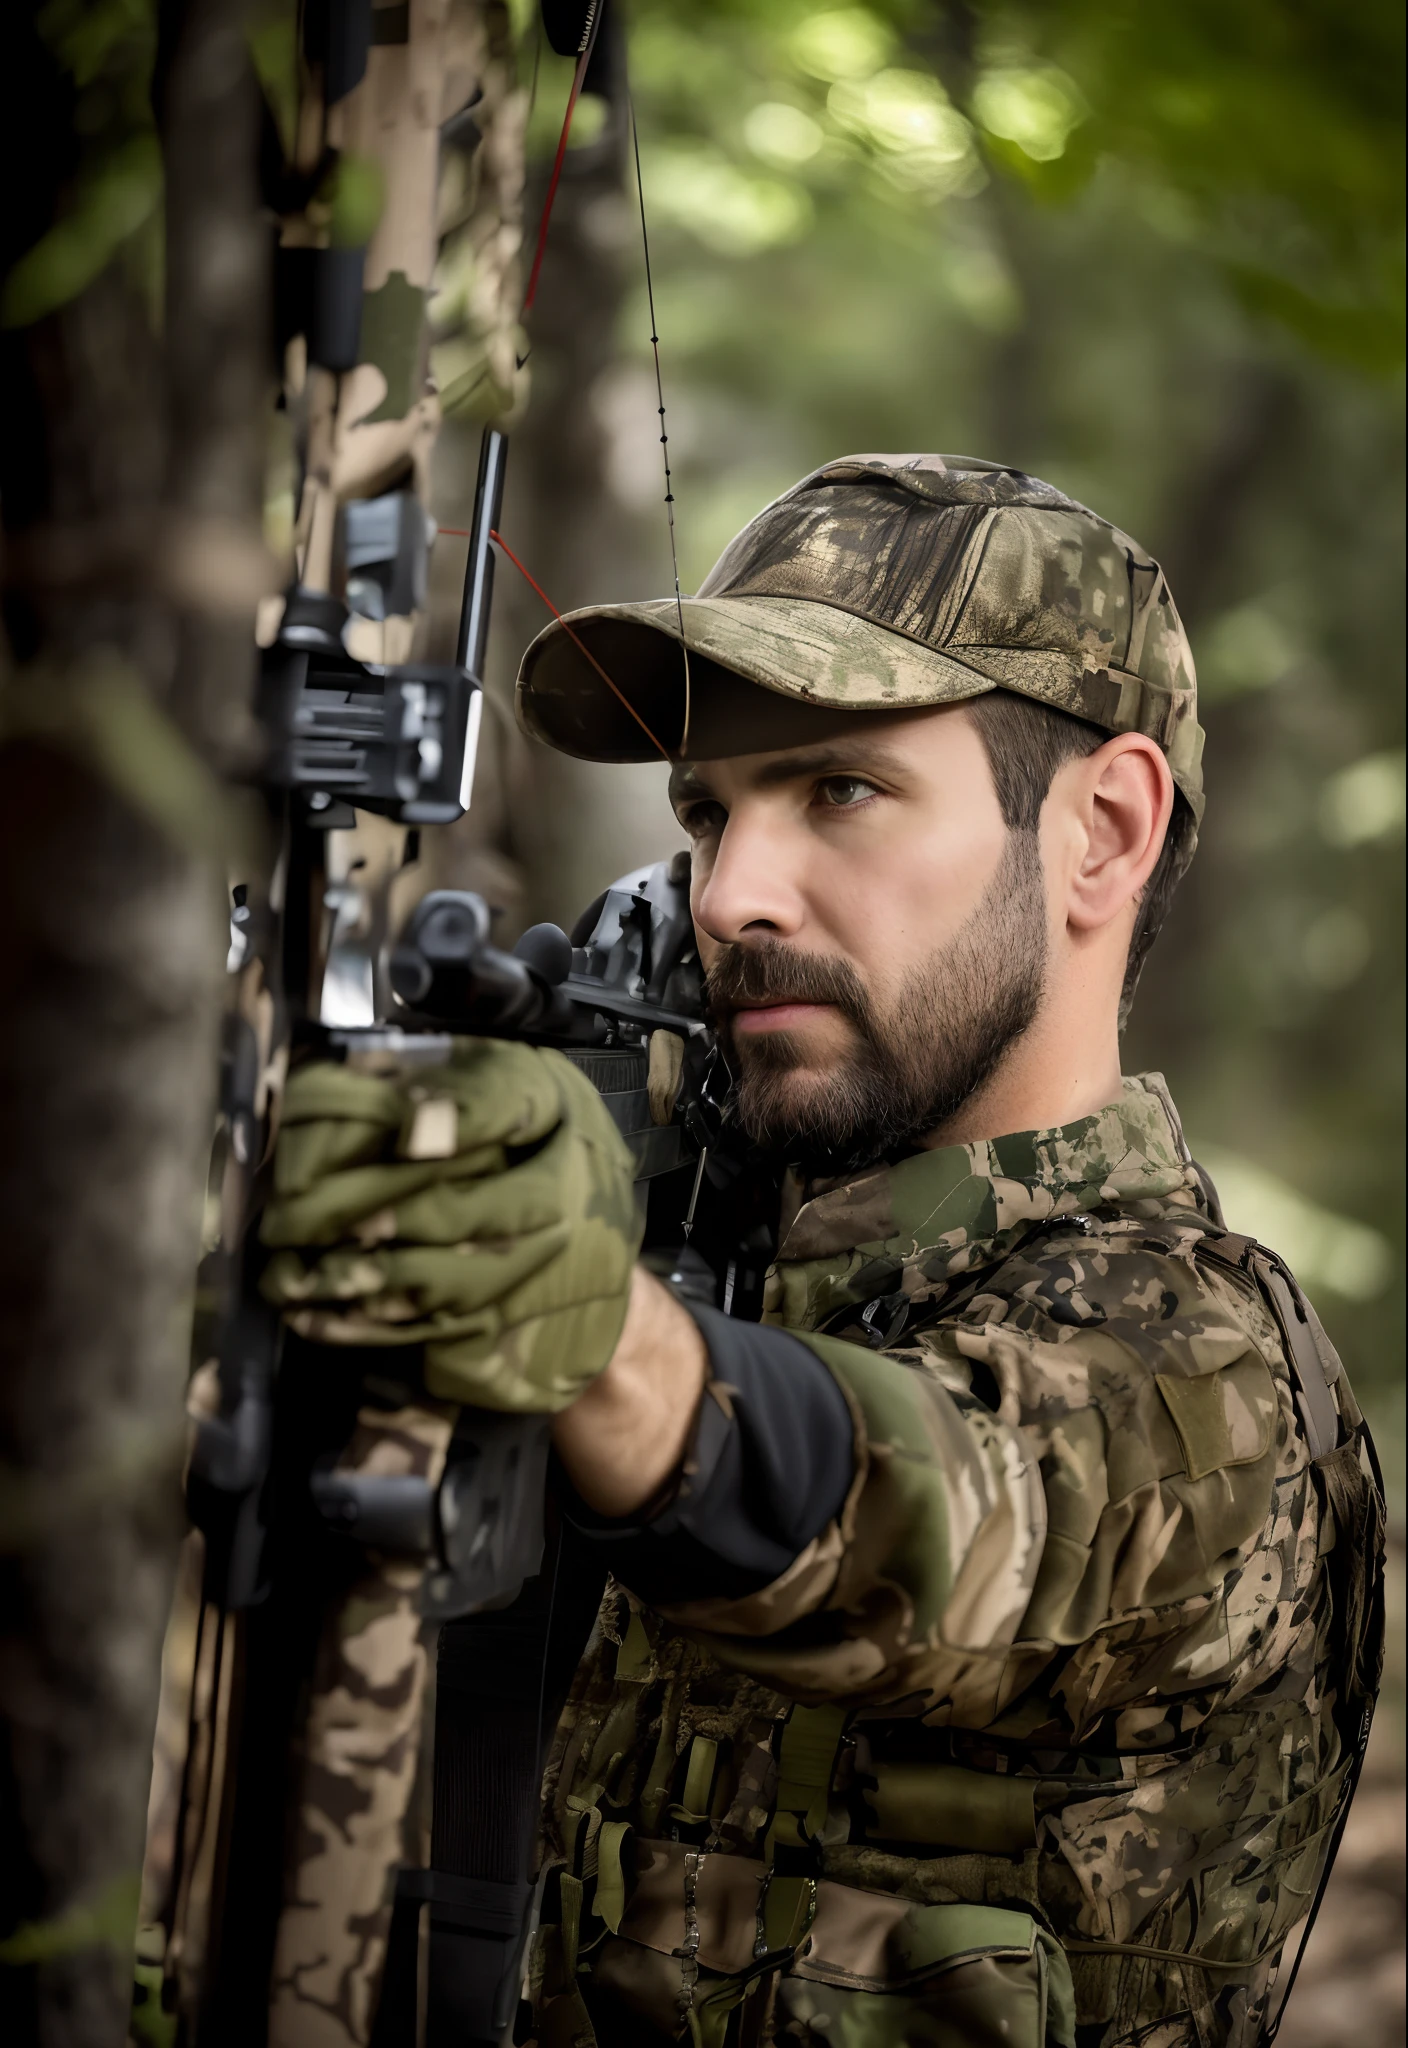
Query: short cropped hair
point(1026, 743)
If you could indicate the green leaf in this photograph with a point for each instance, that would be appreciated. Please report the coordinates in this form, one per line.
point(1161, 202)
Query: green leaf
point(109, 1921)
point(110, 205)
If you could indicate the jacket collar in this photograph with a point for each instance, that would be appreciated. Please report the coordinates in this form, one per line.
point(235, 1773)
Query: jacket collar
point(945, 1202)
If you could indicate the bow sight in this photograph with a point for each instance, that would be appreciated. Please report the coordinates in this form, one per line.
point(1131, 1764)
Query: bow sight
point(346, 735)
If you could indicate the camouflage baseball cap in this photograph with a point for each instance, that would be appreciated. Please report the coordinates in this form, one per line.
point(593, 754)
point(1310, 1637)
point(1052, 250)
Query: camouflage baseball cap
point(883, 582)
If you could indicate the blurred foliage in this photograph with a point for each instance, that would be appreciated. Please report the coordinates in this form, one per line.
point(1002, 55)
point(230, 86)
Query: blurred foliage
point(102, 128)
point(1155, 255)
point(102, 132)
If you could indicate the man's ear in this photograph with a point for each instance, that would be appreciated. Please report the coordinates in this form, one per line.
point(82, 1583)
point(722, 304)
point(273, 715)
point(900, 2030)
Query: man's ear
point(1123, 796)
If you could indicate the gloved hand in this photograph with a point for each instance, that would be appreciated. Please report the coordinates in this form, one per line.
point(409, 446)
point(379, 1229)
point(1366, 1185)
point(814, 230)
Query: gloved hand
point(484, 1209)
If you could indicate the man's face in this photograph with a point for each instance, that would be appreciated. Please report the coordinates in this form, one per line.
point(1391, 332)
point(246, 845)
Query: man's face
point(874, 937)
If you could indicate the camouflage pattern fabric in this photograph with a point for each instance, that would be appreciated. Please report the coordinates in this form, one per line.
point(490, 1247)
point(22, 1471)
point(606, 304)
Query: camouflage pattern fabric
point(369, 427)
point(478, 281)
point(357, 1766)
point(1070, 1651)
point(484, 1209)
point(892, 582)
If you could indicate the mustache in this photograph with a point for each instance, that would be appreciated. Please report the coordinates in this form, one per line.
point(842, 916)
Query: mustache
point(773, 972)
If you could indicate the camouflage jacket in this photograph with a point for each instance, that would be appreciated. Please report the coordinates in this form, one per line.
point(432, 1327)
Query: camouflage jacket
point(1042, 1741)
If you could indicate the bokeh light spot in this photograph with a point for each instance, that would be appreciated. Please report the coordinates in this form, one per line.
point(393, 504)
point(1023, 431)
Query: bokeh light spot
point(844, 42)
point(782, 134)
point(1365, 801)
point(1036, 109)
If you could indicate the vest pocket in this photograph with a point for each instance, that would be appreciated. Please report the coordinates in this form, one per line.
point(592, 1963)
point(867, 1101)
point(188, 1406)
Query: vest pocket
point(871, 1969)
point(954, 1976)
point(948, 1806)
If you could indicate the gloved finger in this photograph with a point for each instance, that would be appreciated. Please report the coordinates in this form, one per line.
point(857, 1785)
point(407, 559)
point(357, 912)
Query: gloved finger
point(308, 1152)
point(595, 1259)
point(430, 1280)
point(330, 1119)
point(475, 1195)
point(362, 1201)
point(331, 1090)
point(530, 1196)
point(343, 1275)
point(384, 1321)
point(538, 1367)
point(506, 1094)
point(459, 1280)
point(489, 1093)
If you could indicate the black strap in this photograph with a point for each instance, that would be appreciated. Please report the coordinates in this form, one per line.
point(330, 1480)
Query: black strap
point(1364, 1662)
point(1334, 1434)
point(501, 1679)
point(466, 1902)
point(1314, 1362)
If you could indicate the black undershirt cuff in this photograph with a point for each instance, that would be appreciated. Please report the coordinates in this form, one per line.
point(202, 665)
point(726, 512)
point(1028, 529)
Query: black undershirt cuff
point(768, 1467)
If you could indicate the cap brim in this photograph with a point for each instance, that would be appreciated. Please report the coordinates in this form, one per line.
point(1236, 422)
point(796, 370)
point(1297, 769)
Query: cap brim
point(803, 651)
point(615, 687)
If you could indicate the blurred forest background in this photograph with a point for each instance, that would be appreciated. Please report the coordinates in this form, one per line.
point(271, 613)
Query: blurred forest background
point(1150, 252)
point(1153, 254)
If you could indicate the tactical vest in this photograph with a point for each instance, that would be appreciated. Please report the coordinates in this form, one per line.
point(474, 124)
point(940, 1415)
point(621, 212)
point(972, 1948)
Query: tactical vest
point(809, 1942)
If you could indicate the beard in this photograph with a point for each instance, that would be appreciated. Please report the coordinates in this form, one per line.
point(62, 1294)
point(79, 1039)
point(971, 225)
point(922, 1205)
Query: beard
point(912, 1064)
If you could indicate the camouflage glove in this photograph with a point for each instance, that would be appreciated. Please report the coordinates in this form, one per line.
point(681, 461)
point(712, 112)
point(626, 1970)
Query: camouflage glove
point(484, 1209)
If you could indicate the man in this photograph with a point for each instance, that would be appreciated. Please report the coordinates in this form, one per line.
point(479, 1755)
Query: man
point(994, 1625)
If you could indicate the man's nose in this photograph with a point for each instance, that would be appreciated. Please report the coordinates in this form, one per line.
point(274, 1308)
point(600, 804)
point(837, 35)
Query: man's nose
point(751, 888)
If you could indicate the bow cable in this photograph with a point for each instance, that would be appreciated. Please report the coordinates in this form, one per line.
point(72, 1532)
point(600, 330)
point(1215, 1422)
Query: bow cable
point(578, 642)
point(584, 54)
point(664, 431)
point(584, 58)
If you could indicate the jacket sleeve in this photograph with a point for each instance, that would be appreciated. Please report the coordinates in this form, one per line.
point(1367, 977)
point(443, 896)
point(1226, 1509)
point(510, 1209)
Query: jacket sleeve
point(1129, 1492)
point(921, 1579)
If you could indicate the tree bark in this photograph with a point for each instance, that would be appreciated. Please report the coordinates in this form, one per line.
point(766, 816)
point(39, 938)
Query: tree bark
point(130, 493)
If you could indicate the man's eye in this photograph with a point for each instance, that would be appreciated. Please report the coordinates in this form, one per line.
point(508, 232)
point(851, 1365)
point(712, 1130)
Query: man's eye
point(844, 792)
point(703, 819)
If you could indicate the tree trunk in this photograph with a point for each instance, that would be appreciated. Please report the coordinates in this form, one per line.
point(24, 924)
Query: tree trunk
point(130, 491)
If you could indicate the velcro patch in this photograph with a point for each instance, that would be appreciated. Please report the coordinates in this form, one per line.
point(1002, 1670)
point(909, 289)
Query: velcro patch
point(1222, 1418)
